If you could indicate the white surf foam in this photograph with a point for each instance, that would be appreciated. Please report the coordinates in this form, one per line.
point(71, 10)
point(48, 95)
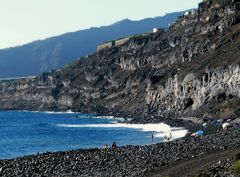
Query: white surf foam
point(159, 130)
point(60, 112)
point(109, 117)
point(51, 112)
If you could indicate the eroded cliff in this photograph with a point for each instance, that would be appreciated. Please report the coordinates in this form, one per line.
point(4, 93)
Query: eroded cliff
point(190, 69)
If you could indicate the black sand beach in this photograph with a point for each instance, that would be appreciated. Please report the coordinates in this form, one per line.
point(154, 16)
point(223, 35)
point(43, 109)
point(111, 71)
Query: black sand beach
point(160, 159)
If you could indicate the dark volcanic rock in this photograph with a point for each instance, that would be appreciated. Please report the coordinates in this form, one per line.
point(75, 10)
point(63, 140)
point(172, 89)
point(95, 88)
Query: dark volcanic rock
point(191, 69)
point(178, 72)
point(122, 161)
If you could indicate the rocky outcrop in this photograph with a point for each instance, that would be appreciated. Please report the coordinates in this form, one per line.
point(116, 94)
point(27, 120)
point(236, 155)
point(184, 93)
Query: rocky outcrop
point(193, 91)
point(190, 69)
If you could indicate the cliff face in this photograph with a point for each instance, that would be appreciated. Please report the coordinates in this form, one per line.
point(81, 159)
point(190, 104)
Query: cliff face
point(191, 69)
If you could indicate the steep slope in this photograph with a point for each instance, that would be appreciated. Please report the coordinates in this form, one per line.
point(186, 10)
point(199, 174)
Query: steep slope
point(191, 69)
point(40, 56)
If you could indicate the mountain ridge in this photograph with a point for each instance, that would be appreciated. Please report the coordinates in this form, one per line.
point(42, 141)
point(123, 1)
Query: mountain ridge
point(55, 52)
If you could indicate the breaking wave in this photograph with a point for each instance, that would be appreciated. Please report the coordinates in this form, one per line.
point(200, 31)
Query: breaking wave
point(159, 130)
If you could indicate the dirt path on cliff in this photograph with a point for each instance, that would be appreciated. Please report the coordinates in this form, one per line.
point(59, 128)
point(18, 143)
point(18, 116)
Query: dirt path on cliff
point(191, 168)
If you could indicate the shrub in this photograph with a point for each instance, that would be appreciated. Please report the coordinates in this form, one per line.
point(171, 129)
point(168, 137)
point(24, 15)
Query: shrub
point(236, 167)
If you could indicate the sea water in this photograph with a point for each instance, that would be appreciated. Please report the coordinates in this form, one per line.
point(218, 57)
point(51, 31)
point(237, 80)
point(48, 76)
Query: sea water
point(25, 133)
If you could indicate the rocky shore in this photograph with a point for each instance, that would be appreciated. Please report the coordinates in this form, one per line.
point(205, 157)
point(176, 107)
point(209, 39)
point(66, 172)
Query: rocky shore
point(192, 69)
point(125, 161)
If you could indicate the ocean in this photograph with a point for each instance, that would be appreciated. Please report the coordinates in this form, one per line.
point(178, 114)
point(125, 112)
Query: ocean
point(25, 133)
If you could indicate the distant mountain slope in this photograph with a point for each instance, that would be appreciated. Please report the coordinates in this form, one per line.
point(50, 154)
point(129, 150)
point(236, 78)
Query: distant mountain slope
point(55, 52)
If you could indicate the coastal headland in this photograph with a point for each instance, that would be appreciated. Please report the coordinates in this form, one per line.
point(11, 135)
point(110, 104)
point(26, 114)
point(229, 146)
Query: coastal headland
point(184, 76)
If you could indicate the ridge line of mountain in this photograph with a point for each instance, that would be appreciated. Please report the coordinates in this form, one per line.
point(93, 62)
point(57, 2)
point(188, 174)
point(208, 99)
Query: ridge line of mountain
point(55, 52)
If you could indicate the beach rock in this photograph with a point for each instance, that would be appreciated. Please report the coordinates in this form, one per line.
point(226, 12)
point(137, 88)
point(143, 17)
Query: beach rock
point(125, 161)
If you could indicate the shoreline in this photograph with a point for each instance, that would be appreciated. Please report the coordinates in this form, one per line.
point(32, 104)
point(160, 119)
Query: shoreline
point(158, 130)
point(129, 160)
point(145, 160)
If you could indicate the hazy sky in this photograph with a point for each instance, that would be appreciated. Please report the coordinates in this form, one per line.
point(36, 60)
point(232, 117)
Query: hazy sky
point(23, 21)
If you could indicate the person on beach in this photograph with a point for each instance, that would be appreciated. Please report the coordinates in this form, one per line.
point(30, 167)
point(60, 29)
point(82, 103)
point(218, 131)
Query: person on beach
point(105, 150)
point(152, 135)
point(198, 133)
point(226, 126)
point(168, 136)
point(114, 145)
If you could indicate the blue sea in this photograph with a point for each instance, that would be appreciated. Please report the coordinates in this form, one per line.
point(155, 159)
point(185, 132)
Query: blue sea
point(25, 133)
